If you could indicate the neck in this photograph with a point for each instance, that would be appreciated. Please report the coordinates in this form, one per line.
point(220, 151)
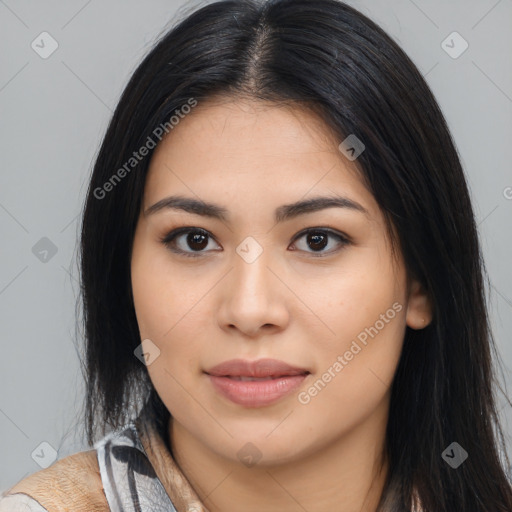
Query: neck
point(347, 474)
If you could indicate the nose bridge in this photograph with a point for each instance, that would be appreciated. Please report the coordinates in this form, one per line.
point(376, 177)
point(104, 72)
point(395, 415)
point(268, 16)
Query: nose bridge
point(251, 299)
point(251, 267)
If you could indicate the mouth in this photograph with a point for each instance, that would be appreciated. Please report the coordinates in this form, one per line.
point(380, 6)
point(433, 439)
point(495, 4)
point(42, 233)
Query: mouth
point(261, 369)
point(255, 383)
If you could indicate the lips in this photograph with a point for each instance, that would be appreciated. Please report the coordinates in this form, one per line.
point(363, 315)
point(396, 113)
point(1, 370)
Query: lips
point(261, 369)
point(256, 383)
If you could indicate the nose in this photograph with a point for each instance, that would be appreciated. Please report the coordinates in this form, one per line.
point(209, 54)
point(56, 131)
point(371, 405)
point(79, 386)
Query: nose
point(254, 298)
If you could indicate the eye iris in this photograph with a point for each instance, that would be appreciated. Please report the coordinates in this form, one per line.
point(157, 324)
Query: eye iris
point(195, 238)
point(315, 238)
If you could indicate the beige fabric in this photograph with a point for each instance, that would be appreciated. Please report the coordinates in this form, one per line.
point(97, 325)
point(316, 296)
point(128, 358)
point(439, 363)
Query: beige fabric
point(19, 503)
point(72, 483)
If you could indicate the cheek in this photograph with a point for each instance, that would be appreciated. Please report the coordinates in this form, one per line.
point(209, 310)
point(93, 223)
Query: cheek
point(363, 313)
point(353, 378)
point(157, 303)
point(356, 299)
point(169, 312)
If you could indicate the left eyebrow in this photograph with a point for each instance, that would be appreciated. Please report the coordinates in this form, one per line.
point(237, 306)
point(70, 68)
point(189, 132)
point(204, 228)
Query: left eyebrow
point(282, 213)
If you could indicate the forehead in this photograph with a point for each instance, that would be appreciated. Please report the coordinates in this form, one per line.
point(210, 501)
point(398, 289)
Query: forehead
point(226, 147)
point(238, 127)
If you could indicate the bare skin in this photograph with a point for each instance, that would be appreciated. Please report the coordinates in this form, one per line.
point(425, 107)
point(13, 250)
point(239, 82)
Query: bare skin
point(317, 454)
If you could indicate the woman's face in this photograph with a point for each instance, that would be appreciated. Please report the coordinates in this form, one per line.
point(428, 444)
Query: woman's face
point(256, 286)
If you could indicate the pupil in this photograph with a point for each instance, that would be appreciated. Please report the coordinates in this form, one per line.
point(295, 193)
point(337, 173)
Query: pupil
point(193, 238)
point(315, 238)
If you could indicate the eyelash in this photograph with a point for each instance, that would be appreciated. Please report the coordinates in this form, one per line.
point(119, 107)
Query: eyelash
point(168, 239)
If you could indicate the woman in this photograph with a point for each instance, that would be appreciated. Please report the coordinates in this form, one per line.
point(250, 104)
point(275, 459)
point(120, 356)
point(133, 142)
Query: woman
point(282, 283)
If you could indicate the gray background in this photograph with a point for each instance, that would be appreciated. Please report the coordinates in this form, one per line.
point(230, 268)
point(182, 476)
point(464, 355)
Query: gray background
point(54, 112)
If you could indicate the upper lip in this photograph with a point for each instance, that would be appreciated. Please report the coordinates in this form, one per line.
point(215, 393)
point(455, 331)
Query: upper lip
point(258, 368)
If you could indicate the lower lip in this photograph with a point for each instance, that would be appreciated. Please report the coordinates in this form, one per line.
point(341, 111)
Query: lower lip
point(256, 393)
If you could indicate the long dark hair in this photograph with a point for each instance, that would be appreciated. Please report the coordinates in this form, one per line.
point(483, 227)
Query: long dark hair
point(328, 57)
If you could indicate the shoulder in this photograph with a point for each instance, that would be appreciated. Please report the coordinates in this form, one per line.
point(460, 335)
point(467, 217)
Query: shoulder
point(72, 483)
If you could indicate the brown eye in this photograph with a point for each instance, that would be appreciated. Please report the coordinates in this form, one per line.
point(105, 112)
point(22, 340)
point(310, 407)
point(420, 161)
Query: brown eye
point(196, 241)
point(318, 239)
